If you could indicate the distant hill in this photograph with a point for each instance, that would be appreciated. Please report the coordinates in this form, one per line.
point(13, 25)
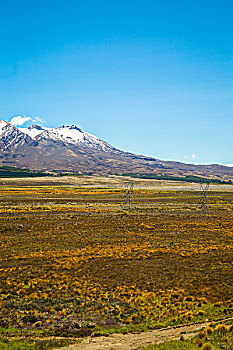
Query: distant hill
point(70, 149)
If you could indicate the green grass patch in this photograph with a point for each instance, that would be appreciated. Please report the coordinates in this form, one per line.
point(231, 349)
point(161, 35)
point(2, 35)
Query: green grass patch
point(32, 344)
point(25, 339)
point(173, 345)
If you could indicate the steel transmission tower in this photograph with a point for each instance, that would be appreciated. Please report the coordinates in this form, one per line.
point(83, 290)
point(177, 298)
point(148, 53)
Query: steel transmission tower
point(129, 201)
point(204, 199)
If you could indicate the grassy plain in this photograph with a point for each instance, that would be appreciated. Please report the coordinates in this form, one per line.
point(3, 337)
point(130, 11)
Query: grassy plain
point(74, 262)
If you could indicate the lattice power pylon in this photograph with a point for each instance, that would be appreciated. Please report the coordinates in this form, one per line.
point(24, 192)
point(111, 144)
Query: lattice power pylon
point(204, 199)
point(129, 201)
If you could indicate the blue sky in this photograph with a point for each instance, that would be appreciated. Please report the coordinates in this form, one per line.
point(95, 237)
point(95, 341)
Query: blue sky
point(149, 77)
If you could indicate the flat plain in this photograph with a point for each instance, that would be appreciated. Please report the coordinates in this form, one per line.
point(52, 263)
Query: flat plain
point(74, 262)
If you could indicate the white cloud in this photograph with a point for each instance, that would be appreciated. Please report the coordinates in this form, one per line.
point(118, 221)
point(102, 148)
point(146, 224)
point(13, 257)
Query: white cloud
point(193, 156)
point(37, 119)
point(230, 165)
point(20, 120)
point(186, 156)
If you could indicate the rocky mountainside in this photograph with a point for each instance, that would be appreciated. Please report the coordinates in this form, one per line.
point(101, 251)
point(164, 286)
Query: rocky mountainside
point(11, 138)
point(68, 148)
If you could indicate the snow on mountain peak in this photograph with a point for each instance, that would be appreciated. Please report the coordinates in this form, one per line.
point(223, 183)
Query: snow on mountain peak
point(33, 130)
point(10, 136)
point(70, 134)
point(3, 125)
point(66, 133)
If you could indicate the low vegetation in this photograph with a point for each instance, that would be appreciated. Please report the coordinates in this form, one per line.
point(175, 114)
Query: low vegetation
point(214, 337)
point(14, 172)
point(31, 344)
point(73, 262)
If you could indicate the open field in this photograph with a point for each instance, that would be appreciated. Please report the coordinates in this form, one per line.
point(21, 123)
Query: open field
point(73, 262)
point(112, 181)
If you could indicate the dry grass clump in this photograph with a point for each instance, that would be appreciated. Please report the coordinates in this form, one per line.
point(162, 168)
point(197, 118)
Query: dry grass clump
point(202, 334)
point(209, 330)
point(221, 328)
point(199, 342)
point(207, 346)
point(217, 336)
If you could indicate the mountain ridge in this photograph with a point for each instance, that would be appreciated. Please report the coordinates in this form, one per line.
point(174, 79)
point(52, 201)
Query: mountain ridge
point(69, 148)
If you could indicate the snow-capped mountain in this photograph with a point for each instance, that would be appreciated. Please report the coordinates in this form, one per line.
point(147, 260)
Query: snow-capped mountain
point(68, 148)
point(68, 134)
point(12, 137)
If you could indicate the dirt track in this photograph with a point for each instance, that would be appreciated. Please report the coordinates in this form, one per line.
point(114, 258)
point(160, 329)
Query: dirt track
point(134, 341)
